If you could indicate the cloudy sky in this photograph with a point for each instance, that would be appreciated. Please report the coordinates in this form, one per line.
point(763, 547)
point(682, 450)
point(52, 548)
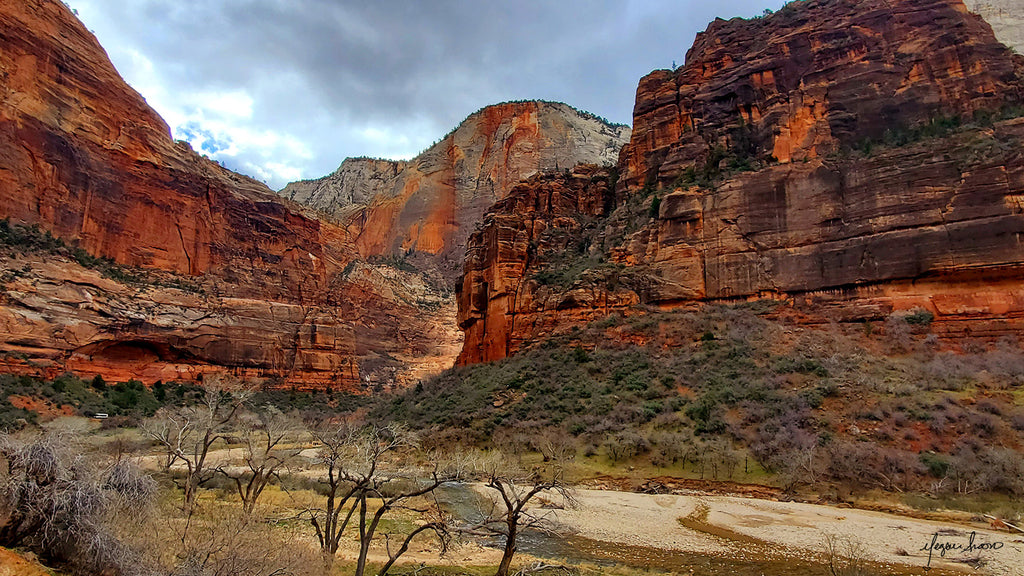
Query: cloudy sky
point(286, 89)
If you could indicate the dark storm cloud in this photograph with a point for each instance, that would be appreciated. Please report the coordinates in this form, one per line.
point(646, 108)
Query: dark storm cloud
point(317, 80)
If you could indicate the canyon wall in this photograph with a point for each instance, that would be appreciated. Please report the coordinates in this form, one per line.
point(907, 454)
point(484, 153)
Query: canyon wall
point(851, 158)
point(813, 77)
point(428, 206)
point(83, 157)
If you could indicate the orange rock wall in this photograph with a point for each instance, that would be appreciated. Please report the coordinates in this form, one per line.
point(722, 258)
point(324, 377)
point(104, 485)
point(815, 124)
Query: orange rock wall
point(84, 157)
point(845, 234)
point(497, 297)
point(813, 77)
point(428, 206)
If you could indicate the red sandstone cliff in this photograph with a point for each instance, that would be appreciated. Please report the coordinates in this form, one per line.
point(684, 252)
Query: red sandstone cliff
point(817, 75)
point(84, 157)
point(429, 205)
point(809, 156)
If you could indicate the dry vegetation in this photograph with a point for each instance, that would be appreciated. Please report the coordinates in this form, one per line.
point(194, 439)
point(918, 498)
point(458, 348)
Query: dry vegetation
point(226, 487)
point(229, 480)
point(752, 393)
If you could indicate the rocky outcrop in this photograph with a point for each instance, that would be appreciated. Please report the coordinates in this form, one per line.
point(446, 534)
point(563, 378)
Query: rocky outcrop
point(500, 301)
point(384, 329)
point(348, 189)
point(809, 157)
point(83, 157)
point(1006, 18)
point(814, 77)
point(430, 205)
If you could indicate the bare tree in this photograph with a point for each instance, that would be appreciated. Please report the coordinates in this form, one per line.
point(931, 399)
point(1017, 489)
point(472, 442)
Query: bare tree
point(264, 454)
point(554, 444)
point(510, 512)
point(366, 466)
point(187, 433)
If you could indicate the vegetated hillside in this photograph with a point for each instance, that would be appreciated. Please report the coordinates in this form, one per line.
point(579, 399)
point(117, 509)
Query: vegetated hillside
point(249, 283)
point(854, 158)
point(694, 392)
point(425, 208)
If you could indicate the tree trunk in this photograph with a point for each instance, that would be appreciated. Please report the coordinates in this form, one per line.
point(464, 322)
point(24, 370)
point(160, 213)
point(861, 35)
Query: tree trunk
point(191, 487)
point(328, 558)
point(364, 538)
point(510, 551)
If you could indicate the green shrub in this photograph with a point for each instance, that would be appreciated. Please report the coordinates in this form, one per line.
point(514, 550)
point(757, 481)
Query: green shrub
point(655, 207)
point(937, 464)
point(919, 317)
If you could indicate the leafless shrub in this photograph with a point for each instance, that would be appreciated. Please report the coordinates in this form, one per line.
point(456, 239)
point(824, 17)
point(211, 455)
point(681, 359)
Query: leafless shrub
point(64, 505)
point(187, 434)
point(898, 334)
point(555, 445)
point(983, 425)
point(844, 556)
point(783, 444)
point(1017, 421)
point(262, 434)
point(625, 445)
point(669, 448)
point(513, 440)
point(512, 511)
point(228, 543)
point(367, 465)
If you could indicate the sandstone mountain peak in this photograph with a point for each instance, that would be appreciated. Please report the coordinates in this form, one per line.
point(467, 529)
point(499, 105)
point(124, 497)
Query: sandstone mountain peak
point(430, 204)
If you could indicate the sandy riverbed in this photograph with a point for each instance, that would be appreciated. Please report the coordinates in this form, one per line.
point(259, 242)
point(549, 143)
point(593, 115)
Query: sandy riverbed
point(791, 529)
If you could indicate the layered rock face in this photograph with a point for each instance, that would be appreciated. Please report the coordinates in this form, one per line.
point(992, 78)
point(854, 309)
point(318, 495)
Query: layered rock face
point(876, 199)
point(56, 316)
point(1006, 18)
point(430, 205)
point(83, 157)
point(815, 76)
point(499, 300)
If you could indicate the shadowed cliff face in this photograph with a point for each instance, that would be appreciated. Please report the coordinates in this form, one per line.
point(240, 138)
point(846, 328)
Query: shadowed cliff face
point(540, 220)
point(428, 206)
point(83, 157)
point(855, 158)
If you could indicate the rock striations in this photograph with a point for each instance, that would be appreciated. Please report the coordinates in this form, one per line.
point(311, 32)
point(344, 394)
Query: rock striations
point(858, 156)
point(815, 76)
point(429, 205)
point(350, 188)
point(83, 157)
point(537, 222)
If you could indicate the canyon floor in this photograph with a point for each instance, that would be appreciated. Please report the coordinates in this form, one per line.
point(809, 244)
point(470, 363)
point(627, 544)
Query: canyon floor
point(751, 529)
point(612, 532)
